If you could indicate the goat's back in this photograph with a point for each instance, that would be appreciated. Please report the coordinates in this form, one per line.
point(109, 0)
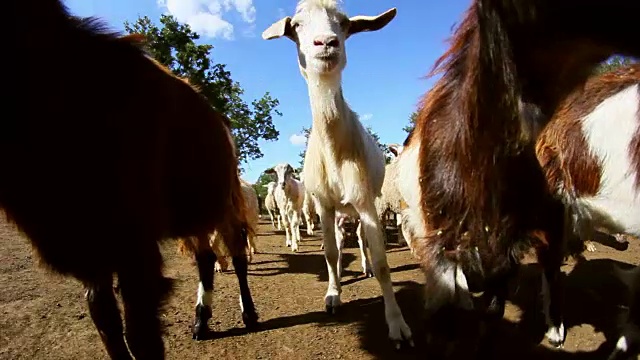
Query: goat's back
point(112, 148)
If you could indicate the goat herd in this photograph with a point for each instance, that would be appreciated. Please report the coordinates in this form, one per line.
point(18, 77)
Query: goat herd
point(517, 146)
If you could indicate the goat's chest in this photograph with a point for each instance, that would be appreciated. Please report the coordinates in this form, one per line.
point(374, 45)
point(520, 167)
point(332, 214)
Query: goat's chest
point(334, 182)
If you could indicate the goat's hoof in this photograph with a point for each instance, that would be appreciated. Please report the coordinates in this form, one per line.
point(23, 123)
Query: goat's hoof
point(331, 309)
point(591, 247)
point(250, 320)
point(398, 344)
point(556, 336)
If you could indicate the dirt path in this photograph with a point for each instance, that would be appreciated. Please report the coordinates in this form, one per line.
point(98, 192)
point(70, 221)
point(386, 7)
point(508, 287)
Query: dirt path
point(44, 316)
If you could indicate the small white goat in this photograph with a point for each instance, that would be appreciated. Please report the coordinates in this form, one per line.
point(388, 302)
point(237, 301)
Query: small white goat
point(390, 198)
point(289, 194)
point(343, 167)
point(271, 204)
point(309, 210)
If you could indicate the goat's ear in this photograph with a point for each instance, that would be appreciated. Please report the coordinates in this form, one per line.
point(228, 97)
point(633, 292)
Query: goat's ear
point(362, 23)
point(393, 149)
point(265, 186)
point(278, 29)
point(270, 171)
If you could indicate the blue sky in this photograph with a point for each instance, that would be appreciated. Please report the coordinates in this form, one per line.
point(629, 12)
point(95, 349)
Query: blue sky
point(383, 80)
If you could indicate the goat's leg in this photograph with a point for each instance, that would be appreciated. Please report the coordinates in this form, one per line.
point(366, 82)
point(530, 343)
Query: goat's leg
point(551, 258)
point(339, 235)
point(249, 316)
point(286, 223)
point(106, 317)
point(332, 255)
point(143, 288)
point(364, 255)
point(401, 238)
point(205, 259)
point(279, 222)
point(398, 328)
point(295, 230)
point(273, 223)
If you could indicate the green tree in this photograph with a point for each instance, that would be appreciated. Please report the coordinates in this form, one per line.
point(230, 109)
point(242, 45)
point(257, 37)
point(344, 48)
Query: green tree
point(412, 122)
point(613, 63)
point(264, 179)
point(173, 45)
point(307, 131)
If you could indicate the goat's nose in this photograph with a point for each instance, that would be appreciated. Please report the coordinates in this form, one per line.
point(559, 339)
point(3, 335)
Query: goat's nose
point(326, 40)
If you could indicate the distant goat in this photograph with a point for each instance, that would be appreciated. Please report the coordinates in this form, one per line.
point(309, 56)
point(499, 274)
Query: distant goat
point(343, 166)
point(390, 198)
point(289, 194)
point(272, 205)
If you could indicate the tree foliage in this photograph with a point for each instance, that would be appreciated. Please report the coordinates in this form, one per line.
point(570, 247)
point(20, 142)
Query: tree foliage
point(307, 131)
point(613, 63)
point(412, 122)
point(173, 45)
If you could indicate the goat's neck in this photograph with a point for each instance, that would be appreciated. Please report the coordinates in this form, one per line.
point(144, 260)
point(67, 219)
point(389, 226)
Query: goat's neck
point(328, 107)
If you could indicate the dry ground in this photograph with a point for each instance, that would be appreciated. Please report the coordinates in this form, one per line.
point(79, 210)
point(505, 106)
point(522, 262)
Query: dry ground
point(45, 317)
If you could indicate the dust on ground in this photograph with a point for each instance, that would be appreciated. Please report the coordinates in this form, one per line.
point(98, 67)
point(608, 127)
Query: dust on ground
point(44, 316)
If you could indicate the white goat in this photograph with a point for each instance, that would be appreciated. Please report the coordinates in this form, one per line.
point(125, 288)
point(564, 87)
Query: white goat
point(271, 204)
point(343, 167)
point(390, 198)
point(309, 210)
point(289, 194)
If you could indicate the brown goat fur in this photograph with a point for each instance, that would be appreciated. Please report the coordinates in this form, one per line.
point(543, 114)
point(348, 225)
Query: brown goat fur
point(483, 195)
point(561, 147)
point(106, 154)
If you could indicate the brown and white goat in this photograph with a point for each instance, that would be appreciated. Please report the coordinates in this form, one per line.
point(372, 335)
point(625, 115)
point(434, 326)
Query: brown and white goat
point(96, 178)
point(476, 194)
point(590, 153)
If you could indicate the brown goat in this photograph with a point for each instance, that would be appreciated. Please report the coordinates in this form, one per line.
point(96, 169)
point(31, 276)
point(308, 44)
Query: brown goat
point(476, 195)
point(110, 154)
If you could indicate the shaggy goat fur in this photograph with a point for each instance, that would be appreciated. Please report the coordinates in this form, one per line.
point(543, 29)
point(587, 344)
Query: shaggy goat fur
point(96, 178)
point(479, 197)
point(590, 153)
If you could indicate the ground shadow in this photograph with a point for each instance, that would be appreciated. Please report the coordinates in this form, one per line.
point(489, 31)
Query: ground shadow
point(306, 263)
point(592, 297)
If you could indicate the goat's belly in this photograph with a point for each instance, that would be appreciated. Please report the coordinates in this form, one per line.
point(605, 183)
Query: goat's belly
point(621, 216)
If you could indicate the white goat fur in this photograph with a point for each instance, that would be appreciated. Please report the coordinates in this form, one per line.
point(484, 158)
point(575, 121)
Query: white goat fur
point(289, 194)
point(253, 212)
point(343, 167)
point(390, 198)
point(271, 205)
point(608, 131)
point(309, 210)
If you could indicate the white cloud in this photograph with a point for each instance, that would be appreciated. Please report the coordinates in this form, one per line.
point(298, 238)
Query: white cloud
point(365, 117)
point(298, 139)
point(206, 16)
